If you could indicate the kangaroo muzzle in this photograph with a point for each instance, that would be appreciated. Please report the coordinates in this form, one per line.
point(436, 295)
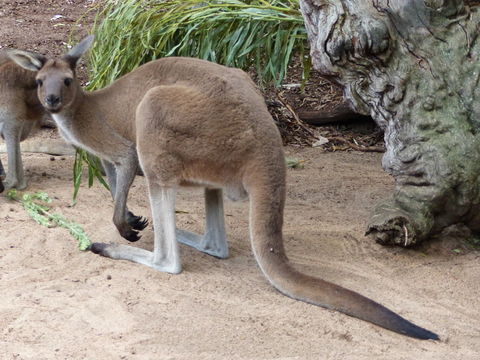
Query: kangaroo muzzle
point(53, 101)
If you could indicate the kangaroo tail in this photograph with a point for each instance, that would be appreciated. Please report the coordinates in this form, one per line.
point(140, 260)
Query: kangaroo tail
point(266, 220)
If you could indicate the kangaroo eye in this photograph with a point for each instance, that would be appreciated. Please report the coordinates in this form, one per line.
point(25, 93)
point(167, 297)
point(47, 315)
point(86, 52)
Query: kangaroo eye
point(68, 81)
point(39, 82)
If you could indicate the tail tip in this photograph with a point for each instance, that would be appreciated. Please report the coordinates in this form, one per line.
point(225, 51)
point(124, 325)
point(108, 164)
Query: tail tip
point(421, 333)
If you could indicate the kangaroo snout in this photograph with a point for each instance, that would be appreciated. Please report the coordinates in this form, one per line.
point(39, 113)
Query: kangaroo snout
point(52, 100)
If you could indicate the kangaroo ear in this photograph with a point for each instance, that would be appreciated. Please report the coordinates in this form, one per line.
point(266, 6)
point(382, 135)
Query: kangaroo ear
point(27, 60)
point(78, 50)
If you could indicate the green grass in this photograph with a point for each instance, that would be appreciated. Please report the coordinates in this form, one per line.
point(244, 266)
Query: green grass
point(94, 171)
point(244, 34)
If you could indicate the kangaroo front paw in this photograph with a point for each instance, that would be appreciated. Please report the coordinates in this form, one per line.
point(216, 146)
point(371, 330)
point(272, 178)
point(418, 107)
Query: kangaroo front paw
point(131, 235)
point(136, 222)
point(126, 231)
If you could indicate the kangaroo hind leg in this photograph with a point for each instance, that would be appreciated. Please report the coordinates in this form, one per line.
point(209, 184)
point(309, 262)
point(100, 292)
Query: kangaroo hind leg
point(165, 256)
point(213, 241)
point(12, 132)
point(158, 121)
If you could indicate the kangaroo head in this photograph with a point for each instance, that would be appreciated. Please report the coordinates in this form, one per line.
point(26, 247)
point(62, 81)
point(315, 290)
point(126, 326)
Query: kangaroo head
point(57, 85)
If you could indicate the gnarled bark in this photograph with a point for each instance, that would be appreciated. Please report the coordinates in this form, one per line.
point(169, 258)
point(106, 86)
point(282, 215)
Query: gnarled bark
point(413, 65)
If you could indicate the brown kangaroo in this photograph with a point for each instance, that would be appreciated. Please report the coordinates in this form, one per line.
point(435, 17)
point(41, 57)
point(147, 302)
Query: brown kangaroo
point(20, 112)
point(191, 122)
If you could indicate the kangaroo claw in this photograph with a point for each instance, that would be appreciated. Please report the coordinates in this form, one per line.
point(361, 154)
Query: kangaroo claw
point(136, 222)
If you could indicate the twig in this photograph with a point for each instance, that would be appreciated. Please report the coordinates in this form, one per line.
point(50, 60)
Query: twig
point(357, 147)
point(294, 114)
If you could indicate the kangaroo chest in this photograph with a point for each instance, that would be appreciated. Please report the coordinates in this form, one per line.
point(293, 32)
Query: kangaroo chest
point(67, 131)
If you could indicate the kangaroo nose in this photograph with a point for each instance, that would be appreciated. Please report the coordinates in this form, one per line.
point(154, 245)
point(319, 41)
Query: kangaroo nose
point(52, 100)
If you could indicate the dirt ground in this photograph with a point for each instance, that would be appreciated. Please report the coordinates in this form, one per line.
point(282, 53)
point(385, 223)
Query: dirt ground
point(59, 303)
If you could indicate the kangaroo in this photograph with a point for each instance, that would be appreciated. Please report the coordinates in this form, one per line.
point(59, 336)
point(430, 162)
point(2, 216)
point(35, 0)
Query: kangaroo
point(191, 122)
point(20, 112)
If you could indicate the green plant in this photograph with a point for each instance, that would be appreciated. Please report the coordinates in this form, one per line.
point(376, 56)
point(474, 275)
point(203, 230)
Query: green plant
point(474, 242)
point(36, 206)
point(293, 163)
point(258, 33)
point(94, 171)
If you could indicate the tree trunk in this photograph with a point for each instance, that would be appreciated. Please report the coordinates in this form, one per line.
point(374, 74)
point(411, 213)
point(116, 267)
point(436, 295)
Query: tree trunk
point(413, 65)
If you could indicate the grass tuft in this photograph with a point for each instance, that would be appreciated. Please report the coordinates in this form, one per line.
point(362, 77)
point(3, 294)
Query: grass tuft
point(242, 34)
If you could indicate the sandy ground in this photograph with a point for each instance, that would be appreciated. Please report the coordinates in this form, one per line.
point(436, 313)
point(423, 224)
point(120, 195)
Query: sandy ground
point(60, 303)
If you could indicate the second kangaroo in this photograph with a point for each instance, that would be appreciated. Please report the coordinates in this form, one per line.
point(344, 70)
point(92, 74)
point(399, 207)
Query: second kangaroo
point(191, 122)
point(20, 112)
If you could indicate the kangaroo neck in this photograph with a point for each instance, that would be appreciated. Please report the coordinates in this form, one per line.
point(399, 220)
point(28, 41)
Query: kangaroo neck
point(116, 105)
point(84, 124)
point(75, 118)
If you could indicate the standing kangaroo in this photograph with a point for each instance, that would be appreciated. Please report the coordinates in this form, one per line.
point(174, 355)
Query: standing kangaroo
point(191, 122)
point(20, 112)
